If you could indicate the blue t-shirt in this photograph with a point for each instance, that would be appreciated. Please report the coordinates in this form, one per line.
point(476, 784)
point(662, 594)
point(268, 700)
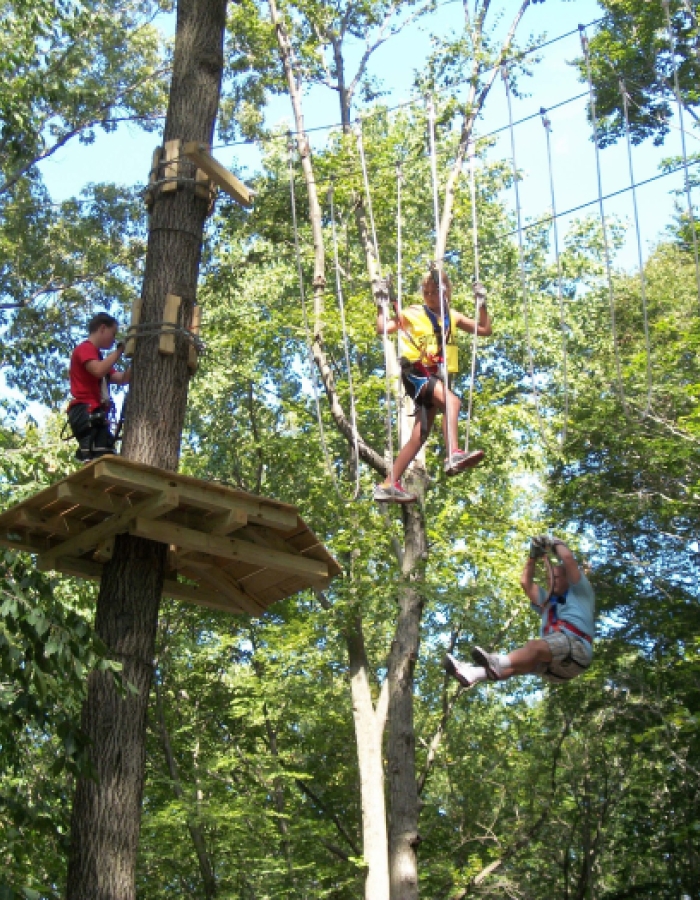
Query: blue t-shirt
point(579, 608)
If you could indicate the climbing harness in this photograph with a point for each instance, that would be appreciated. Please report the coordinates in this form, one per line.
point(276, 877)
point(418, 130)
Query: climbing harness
point(521, 258)
point(307, 330)
point(679, 102)
point(346, 348)
point(606, 247)
point(452, 440)
point(640, 260)
point(546, 122)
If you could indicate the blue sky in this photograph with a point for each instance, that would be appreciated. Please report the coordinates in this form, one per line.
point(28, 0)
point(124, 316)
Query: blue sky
point(124, 156)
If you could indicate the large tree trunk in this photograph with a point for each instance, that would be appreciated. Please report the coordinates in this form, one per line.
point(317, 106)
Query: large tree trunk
point(106, 812)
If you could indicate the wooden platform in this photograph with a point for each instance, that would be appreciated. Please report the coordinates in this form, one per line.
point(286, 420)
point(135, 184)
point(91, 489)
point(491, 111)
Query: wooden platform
point(240, 553)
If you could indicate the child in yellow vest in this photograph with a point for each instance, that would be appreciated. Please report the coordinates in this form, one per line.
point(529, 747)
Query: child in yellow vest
point(422, 357)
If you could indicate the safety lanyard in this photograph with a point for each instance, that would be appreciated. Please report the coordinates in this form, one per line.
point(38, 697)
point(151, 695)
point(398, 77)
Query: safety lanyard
point(434, 321)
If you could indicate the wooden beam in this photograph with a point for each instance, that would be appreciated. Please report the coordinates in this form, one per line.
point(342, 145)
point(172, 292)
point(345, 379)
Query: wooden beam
point(92, 498)
point(227, 586)
point(227, 548)
point(33, 520)
point(171, 313)
point(199, 154)
point(217, 501)
point(92, 571)
point(153, 506)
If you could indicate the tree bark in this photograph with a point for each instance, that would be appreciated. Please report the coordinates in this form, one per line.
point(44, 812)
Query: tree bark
point(106, 812)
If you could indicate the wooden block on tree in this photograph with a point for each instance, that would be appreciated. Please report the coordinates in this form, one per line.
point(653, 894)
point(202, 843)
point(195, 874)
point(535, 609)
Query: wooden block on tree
point(166, 344)
point(135, 319)
point(203, 185)
point(171, 167)
point(150, 197)
point(199, 154)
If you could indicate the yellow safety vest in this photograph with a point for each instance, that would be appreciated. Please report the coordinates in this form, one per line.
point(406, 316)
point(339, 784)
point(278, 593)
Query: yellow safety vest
point(420, 342)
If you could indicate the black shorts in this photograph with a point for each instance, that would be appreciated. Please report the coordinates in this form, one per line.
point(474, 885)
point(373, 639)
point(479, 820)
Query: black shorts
point(419, 381)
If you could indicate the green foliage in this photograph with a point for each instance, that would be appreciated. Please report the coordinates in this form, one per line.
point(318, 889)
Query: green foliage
point(632, 43)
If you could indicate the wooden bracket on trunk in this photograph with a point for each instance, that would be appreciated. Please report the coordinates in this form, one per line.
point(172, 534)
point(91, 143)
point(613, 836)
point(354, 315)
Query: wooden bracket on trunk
point(201, 156)
point(131, 332)
point(171, 313)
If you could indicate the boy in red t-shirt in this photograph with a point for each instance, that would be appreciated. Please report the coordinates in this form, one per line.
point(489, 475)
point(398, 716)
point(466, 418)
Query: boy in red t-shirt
point(90, 377)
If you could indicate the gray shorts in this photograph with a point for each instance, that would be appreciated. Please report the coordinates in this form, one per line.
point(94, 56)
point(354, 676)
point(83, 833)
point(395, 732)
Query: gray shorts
point(571, 656)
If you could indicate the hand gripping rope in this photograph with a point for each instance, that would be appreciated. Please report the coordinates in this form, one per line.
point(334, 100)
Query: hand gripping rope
point(383, 294)
point(451, 439)
point(346, 348)
point(560, 292)
point(606, 247)
point(640, 259)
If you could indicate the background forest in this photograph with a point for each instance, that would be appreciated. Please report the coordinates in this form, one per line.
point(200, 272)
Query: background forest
point(589, 790)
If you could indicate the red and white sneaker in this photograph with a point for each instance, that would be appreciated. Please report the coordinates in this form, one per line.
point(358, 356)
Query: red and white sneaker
point(459, 461)
point(393, 493)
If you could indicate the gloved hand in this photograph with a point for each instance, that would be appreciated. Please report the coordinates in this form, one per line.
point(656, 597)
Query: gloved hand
point(480, 294)
point(381, 292)
point(539, 546)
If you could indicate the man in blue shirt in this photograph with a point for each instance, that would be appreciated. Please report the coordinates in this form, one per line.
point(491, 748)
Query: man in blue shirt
point(565, 646)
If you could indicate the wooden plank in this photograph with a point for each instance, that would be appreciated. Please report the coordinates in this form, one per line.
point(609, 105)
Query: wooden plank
point(104, 550)
point(166, 342)
point(217, 579)
point(227, 548)
point(212, 500)
point(149, 197)
point(202, 185)
point(200, 155)
point(131, 331)
point(92, 499)
point(33, 520)
point(116, 524)
point(231, 520)
point(172, 165)
point(12, 538)
point(92, 571)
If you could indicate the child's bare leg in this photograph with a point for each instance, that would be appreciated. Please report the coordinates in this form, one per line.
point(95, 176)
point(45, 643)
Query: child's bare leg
point(410, 449)
point(450, 417)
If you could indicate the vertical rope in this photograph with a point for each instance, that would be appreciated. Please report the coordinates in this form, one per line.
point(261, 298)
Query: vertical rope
point(640, 255)
point(452, 440)
point(471, 152)
point(521, 255)
point(384, 299)
point(606, 248)
point(307, 330)
point(399, 291)
point(560, 292)
point(346, 347)
point(686, 176)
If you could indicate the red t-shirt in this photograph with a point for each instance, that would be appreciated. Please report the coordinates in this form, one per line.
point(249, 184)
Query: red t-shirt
point(84, 387)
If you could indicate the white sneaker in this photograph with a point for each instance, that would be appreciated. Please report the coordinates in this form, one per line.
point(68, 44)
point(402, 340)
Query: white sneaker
point(490, 662)
point(458, 670)
point(459, 461)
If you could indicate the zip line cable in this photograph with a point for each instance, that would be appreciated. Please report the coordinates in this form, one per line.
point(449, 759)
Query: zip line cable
point(606, 248)
point(471, 153)
point(384, 302)
point(346, 349)
point(307, 330)
point(521, 259)
point(640, 254)
point(546, 122)
point(677, 91)
point(452, 440)
point(415, 101)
